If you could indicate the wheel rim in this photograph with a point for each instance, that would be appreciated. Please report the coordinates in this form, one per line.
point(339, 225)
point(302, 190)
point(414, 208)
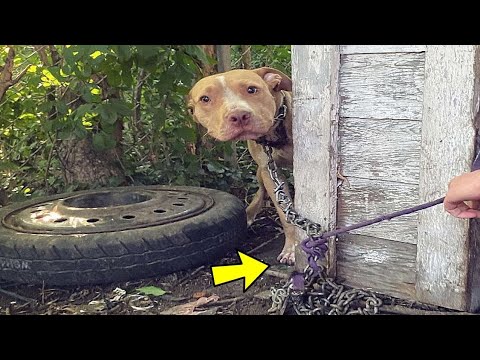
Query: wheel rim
point(108, 211)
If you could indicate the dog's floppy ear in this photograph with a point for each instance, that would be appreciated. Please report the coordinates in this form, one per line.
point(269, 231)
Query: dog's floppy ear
point(276, 79)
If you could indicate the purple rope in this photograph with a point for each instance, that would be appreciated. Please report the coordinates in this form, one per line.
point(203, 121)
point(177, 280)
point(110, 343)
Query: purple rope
point(321, 238)
point(316, 246)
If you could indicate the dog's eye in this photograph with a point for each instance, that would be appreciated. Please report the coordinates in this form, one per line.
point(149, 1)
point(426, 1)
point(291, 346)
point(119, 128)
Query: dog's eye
point(252, 89)
point(205, 99)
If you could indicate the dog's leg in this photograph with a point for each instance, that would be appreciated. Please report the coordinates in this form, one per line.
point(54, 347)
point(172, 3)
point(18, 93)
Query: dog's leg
point(287, 256)
point(258, 200)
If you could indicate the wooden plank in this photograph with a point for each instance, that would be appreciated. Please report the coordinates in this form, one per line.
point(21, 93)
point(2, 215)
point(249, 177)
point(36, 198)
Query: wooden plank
point(376, 49)
point(474, 266)
point(474, 263)
point(382, 86)
point(387, 150)
point(366, 199)
point(315, 132)
point(448, 134)
point(383, 266)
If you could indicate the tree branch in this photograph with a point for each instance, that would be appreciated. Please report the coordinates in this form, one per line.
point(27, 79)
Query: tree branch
point(6, 75)
point(206, 68)
point(56, 58)
point(246, 56)
point(19, 76)
point(137, 98)
point(42, 54)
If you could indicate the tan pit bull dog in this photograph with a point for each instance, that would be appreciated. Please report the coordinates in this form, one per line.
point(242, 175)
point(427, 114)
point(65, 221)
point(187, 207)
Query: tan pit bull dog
point(244, 105)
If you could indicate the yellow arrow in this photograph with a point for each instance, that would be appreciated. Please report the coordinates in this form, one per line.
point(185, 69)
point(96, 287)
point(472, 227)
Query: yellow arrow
point(250, 269)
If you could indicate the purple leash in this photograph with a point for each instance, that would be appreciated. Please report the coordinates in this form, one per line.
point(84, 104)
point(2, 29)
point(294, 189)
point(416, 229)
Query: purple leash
point(316, 246)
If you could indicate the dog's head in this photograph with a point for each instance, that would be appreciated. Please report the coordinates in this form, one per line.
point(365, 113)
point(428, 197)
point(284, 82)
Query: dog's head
point(238, 104)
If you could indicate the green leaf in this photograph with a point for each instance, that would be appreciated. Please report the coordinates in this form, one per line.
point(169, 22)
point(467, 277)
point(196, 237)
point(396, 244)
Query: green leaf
point(114, 79)
point(160, 115)
point(166, 81)
point(101, 48)
point(151, 290)
point(123, 52)
point(147, 51)
point(180, 180)
point(29, 105)
point(120, 107)
point(184, 74)
point(103, 141)
point(98, 141)
point(55, 72)
point(27, 116)
point(90, 94)
point(95, 54)
point(46, 106)
point(48, 125)
point(126, 77)
point(82, 110)
point(61, 107)
point(69, 57)
point(51, 180)
point(183, 90)
point(75, 84)
point(107, 113)
point(80, 132)
point(148, 57)
point(215, 168)
point(198, 52)
point(65, 134)
point(75, 70)
point(110, 142)
point(84, 50)
point(107, 128)
point(6, 165)
point(87, 71)
point(186, 133)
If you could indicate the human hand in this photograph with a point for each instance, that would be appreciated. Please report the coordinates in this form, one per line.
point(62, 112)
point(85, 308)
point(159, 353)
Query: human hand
point(463, 196)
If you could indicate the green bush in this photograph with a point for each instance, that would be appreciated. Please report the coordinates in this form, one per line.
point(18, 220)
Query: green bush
point(85, 91)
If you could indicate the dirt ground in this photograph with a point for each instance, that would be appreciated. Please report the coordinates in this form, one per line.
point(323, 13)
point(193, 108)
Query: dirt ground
point(186, 292)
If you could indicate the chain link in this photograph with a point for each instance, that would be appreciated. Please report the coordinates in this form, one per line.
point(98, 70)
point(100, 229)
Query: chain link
point(279, 300)
point(324, 297)
point(285, 202)
point(319, 294)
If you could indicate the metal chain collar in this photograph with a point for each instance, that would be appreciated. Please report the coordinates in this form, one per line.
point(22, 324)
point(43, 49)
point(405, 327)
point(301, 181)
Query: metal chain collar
point(279, 131)
point(313, 293)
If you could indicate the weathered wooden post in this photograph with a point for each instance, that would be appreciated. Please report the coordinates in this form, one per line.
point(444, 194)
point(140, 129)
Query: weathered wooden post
point(315, 71)
point(398, 121)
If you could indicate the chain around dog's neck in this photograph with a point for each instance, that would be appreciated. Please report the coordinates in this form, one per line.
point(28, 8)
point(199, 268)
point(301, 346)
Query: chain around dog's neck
point(278, 136)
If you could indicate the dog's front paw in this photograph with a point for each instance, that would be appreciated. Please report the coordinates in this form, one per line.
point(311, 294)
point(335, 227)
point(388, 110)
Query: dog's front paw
point(287, 256)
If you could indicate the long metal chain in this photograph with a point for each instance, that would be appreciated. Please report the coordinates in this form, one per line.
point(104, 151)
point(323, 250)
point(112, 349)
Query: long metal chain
point(285, 202)
point(314, 293)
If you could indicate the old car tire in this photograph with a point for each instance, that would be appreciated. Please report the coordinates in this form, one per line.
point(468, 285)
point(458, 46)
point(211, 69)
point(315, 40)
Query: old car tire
point(71, 255)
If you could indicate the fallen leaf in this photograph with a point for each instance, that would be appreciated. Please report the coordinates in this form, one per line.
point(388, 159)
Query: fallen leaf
point(189, 308)
point(199, 294)
point(151, 290)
